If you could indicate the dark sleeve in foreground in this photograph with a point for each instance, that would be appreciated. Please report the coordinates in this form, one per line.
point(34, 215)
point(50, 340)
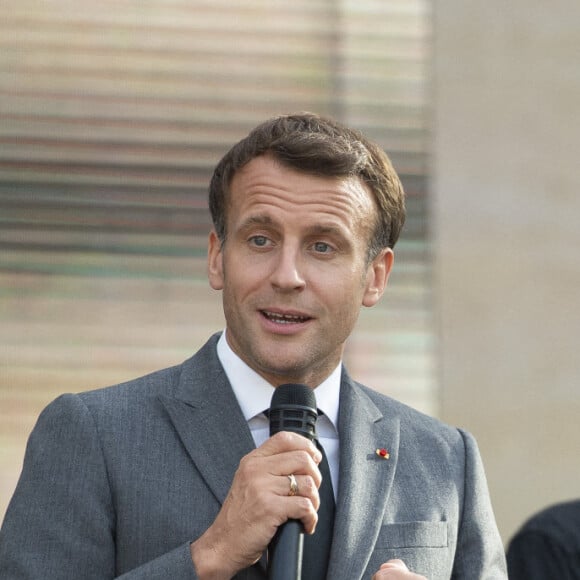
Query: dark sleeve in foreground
point(548, 545)
point(533, 556)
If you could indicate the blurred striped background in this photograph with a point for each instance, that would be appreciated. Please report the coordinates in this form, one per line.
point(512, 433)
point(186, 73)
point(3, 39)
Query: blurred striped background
point(112, 115)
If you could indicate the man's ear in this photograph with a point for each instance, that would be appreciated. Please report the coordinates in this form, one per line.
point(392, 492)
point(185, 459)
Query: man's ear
point(377, 277)
point(215, 263)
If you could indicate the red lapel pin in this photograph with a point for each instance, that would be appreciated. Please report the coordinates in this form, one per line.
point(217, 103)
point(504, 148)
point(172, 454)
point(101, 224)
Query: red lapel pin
point(383, 453)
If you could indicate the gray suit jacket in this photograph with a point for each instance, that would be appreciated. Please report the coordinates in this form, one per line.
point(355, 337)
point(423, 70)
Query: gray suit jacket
point(118, 482)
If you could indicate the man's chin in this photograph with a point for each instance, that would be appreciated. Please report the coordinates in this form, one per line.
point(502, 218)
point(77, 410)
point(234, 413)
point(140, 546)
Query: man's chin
point(287, 370)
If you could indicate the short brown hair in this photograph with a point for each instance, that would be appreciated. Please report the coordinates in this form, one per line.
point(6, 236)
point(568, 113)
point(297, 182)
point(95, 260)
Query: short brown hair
point(319, 146)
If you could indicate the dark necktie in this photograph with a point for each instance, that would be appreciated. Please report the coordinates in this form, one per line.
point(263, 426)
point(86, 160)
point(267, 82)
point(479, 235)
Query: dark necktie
point(317, 546)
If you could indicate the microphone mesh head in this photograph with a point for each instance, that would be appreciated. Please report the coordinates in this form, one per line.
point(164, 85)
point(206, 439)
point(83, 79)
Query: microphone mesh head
point(293, 408)
point(290, 394)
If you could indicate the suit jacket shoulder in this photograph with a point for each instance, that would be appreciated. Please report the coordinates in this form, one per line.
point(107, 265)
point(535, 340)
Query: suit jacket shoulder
point(118, 481)
point(179, 381)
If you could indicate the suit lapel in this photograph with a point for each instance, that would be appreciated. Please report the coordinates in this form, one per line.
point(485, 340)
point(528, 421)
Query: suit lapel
point(209, 421)
point(211, 426)
point(365, 480)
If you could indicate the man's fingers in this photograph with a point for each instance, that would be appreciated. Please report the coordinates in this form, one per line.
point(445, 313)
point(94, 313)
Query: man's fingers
point(394, 564)
point(288, 441)
point(263, 487)
point(273, 471)
point(396, 570)
point(306, 486)
point(299, 508)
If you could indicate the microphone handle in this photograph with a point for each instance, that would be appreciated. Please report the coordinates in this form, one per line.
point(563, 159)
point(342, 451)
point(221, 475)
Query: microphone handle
point(285, 552)
point(293, 408)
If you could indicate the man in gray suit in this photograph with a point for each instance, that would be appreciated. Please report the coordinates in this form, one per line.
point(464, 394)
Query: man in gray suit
point(174, 475)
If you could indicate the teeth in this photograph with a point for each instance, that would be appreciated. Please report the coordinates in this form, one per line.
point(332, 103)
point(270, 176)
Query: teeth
point(284, 318)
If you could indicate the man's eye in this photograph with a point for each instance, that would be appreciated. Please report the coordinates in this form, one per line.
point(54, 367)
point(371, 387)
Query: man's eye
point(259, 241)
point(322, 247)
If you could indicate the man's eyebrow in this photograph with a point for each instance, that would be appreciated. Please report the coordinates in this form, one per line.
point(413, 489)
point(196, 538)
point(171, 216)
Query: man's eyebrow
point(263, 220)
point(322, 229)
point(257, 220)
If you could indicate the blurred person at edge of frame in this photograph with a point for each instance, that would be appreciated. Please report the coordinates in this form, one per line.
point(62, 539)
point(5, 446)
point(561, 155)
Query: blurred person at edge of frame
point(547, 545)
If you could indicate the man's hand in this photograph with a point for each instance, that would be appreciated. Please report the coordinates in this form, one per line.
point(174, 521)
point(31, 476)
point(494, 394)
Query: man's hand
point(396, 570)
point(258, 503)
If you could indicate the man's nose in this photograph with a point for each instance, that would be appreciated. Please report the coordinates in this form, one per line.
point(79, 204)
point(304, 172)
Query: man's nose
point(287, 272)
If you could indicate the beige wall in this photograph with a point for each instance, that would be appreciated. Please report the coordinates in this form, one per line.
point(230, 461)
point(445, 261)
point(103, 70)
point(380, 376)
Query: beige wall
point(506, 210)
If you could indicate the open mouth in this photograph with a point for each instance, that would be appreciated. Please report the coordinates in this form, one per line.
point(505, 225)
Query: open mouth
point(284, 318)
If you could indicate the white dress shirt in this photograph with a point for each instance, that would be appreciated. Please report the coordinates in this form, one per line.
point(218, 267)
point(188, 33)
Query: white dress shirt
point(254, 395)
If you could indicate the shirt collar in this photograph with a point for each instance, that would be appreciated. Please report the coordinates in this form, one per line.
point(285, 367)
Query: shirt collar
point(254, 393)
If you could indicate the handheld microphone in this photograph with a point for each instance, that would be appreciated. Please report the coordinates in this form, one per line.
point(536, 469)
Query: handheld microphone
point(293, 408)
